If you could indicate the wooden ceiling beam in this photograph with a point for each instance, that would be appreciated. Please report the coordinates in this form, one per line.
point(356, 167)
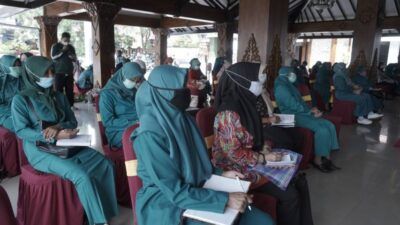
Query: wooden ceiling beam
point(168, 22)
point(391, 22)
point(189, 10)
point(338, 25)
point(61, 9)
point(126, 20)
point(343, 25)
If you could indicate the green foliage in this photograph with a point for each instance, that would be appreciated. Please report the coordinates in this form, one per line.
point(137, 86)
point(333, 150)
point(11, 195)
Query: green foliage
point(15, 40)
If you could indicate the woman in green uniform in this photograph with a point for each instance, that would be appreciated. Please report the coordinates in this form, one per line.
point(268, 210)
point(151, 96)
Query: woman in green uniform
point(11, 84)
point(346, 90)
point(289, 101)
point(91, 173)
point(117, 102)
point(172, 159)
point(323, 83)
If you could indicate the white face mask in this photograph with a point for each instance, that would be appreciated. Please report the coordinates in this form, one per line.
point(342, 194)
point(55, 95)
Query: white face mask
point(129, 84)
point(262, 77)
point(256, 87)
point(45, 82)
point(292, 77)
point(196, 67)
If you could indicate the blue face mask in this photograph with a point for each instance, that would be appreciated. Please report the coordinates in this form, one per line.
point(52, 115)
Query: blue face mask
point(15, 71)
point(292, 77)
point(45, 82)
point(129, 84)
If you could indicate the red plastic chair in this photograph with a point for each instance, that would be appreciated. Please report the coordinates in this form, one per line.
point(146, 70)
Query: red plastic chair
point(9, 156)
point(6, 212)
point(344, 109)
point(205, 121)
point(46, 199)
point(131, 167)
point(116, 155)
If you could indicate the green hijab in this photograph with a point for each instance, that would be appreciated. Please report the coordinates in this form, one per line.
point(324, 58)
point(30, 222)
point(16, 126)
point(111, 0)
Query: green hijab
point(128, 71)
point(36, 67)
point(6, 61)
point(157, 115)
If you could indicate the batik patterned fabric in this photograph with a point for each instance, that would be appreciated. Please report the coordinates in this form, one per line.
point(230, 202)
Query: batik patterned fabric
point(232, 149)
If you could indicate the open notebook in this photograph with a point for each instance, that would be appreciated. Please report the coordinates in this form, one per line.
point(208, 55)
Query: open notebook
point(224, 184)
point(81, 140)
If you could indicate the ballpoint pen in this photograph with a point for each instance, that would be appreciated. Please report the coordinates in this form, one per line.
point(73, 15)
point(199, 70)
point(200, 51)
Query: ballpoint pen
point(241, 186)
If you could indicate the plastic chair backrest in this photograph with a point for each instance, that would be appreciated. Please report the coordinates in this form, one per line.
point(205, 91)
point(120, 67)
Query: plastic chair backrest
point(131, 166)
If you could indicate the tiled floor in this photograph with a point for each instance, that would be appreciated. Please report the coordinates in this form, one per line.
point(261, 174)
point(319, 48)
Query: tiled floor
point(365, 192)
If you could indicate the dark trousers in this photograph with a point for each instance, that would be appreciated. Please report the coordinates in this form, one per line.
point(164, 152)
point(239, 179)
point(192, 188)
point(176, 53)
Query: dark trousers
point(65, 84)
point(286, 138)
point(294, 207)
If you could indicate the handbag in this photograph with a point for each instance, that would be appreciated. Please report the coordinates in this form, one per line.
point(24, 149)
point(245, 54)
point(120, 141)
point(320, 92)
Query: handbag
point(64, 152)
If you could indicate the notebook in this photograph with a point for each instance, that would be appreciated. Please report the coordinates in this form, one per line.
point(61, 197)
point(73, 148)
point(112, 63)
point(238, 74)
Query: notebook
point(286, 120)
point(219, 183)
point(81, 140)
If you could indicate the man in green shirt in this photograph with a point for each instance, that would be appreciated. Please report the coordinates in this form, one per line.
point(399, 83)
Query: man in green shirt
point(64, 56)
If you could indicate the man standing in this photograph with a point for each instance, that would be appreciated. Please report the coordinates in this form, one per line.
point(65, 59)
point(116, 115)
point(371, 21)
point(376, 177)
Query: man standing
point(63, 55)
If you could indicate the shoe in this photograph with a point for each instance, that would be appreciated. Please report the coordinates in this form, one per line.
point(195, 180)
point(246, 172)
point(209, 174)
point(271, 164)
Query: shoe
point(323, 167)
point(330, 164)
point(373, 115)
point(363, 121)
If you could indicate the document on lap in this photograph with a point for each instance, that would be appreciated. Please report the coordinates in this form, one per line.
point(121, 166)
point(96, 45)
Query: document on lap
point(286, 120)
point(219, 183)
point(81, 140)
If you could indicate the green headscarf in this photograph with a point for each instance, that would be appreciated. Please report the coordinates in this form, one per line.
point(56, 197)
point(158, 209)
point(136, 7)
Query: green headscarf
point(194, 62)
point(36, 67)
point(157, 115)
point(6, 61)
point(128, 71)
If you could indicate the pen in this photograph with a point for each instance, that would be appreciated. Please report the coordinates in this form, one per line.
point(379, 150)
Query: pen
point(241, 186)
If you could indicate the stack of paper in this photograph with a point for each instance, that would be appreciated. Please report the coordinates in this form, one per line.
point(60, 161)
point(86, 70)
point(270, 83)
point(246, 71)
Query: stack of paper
point(287, 160)
point(81, 140)
point(280, 173)
point(219, 183)
point(286, 120)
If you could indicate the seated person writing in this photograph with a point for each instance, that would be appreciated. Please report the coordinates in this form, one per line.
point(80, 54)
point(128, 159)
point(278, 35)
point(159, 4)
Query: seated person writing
point(90, 172)
point(239, 141)
point(289, 101)
point(346, 90)
point(172, 158)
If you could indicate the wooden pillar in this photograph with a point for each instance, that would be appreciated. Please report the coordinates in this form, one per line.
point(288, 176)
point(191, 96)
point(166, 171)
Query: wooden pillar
point(225, 40)
point(333, 50)
point(102, 15)
point(266, 19)
point(48, 33)
point(160, 44)
point(367, 28)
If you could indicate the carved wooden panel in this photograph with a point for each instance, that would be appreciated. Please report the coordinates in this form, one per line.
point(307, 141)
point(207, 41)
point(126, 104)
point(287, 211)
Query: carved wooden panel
point(274, 62)
point(252, 54)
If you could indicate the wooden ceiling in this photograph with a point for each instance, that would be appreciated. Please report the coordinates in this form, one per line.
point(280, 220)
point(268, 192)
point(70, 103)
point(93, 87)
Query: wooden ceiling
point(303, 18)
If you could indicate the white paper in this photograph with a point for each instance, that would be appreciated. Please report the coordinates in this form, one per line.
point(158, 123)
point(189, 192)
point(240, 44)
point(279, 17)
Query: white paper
point(287, 160)
point(286, 120)
point(83, 140)
point(219, 183)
